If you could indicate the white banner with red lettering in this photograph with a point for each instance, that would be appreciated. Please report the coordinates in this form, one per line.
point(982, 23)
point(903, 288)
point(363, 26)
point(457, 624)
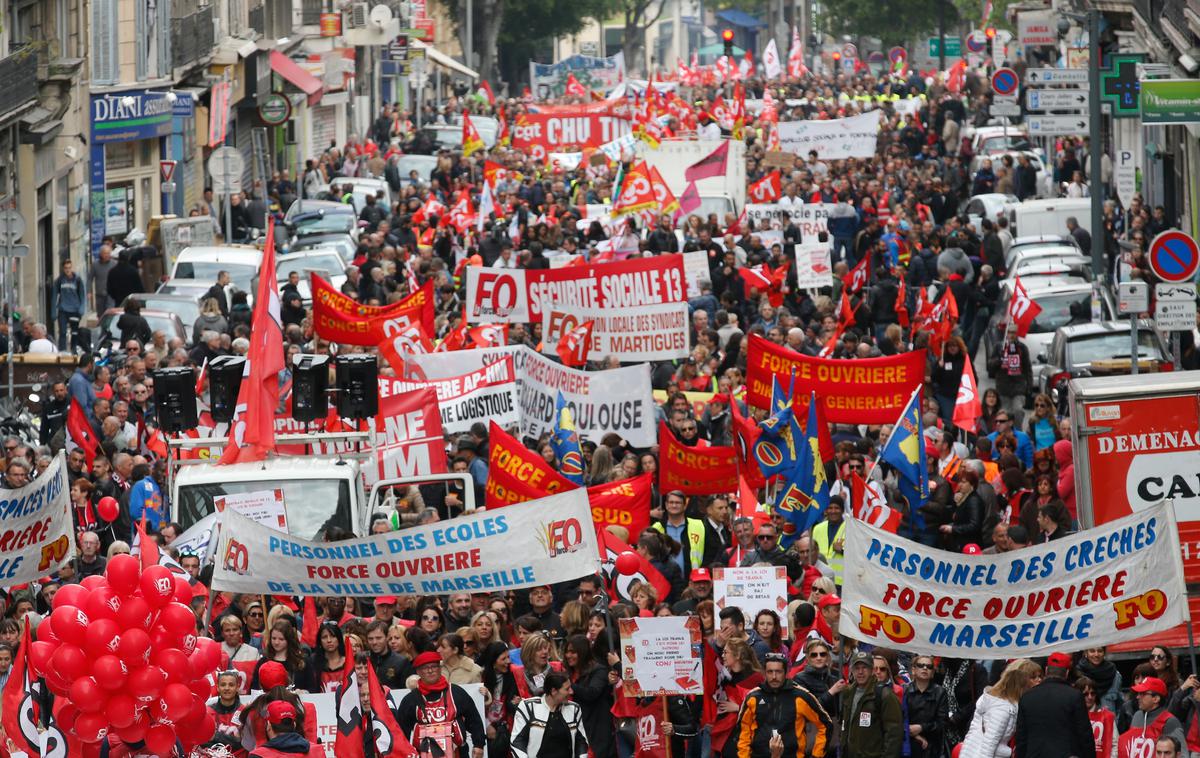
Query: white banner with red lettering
point(811, 218)
point(1113, 583)
point(637, 333)
point(36, 527)
point(486, 394)
point(520, 295)
point(617, 400)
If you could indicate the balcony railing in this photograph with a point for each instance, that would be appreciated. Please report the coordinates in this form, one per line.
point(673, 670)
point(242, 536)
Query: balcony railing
point(18, 79)
point(192, 37)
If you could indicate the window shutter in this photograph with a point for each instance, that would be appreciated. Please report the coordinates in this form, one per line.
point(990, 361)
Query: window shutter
point(104, 58)
point(140, 23)
point(164, 38)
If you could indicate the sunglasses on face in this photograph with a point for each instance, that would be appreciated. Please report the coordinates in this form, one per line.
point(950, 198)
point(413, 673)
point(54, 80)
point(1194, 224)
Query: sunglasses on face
point(922, 665)
point(818, 655)
point(429, 618)
point(1158, 657)
point(765, 537)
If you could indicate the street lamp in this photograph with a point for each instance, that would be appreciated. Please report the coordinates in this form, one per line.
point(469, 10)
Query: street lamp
point(1095, 152)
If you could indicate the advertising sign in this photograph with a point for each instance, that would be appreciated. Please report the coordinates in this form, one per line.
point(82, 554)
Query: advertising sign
point(508, 295)
point(1170, 101)
point(36, 527)
point(525, 545)
point(1119, 581)
point(753, 589)
point(637, 333)
point(661, 656)
point(1037, 28)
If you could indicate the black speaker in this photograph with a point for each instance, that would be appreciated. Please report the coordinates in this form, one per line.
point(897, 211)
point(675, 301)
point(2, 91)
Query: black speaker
point(224, 382)
point(310, 380)
point(175, 399)
point(357, 385)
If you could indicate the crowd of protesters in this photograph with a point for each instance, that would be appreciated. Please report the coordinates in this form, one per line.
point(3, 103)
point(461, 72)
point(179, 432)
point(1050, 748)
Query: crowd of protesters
point(544, 659)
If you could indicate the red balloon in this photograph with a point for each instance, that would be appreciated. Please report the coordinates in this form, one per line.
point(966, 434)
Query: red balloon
point(66, 716)
point(86, 695)
point(102, 603)
point(628, 563)
point(69, 663)
point(211, 649)
point(123, 572)
point(93, 581)
point(71, 594)
point(158, 586)
point(46, 634)
point(135, 732)
point(201, 688)
point(183, 590)
point(121, 710)
point(160, 740)
point(57, 684)
point(134, 648)
point(108, 508)
point(39, 656)
point(102, 637)
point(176, 665)
point(135, 613)
point(177, 699)
point(91, 727)
point(146, 684)
point(110, 672)
point(188, 646)
point(202, 730)
point(70, 624)
point(177, 619)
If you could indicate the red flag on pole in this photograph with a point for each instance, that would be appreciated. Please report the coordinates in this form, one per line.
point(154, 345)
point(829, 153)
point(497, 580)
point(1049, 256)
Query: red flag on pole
point(390, 741)
point(252, 433)
point(1022, 310)
point(575, 344)
point(82, 433)
point(710, 165)
point(767, 189)
point(967, 407)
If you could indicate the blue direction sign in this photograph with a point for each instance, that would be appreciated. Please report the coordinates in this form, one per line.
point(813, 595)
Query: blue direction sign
point(1005, 82)
point(1174, 257)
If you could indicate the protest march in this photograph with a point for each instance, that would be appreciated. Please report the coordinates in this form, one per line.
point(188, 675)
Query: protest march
point(744, 411)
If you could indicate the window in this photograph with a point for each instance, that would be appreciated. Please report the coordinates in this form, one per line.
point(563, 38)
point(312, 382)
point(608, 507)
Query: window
point(104, 58)
point(61, 46)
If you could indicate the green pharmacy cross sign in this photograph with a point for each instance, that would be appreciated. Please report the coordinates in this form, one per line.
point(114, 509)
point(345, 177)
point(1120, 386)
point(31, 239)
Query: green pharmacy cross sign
point(1119, 85)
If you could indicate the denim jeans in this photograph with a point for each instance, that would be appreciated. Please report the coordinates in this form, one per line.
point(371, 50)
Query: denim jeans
point(843, 248)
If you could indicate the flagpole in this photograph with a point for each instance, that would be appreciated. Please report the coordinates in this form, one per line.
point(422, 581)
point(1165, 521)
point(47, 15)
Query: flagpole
point(875, 463)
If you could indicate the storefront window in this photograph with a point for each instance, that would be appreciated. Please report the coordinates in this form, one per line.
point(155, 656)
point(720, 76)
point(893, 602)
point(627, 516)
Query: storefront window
point(119, 155)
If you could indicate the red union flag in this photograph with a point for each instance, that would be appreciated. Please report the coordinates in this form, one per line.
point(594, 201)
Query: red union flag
point(695, 470)
point(637, 192)
point(1021, 309)
point(857, 278)
point(767, 189)
point(575, 344)
point(967, 407)
point(489, 335)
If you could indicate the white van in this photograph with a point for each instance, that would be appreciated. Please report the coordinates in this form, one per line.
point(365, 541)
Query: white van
point(1049, 217)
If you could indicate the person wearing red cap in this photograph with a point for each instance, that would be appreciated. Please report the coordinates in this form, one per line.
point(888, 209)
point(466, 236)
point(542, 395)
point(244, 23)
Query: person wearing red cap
point(1151, 722)
point(437, 716)
point(1052, 719)
point(283, 741)
point(273, 680)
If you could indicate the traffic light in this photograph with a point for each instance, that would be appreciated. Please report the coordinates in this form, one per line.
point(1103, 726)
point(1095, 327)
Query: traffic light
point(990, 33)
point(837, 58)
point(727, 38)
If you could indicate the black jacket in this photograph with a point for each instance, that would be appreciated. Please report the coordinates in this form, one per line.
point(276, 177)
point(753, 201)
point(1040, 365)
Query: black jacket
point(123, 280)
point(818, 682)
point(1052, 722)
point(929, 710)
point(468, 716)
point(54, 417)
point(595, 697)
point(392, 669)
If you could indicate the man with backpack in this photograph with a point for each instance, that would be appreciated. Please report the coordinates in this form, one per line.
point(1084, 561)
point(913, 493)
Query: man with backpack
point(871, 725)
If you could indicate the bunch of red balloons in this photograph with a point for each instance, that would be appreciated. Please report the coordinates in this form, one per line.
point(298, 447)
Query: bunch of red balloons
point(123, 652)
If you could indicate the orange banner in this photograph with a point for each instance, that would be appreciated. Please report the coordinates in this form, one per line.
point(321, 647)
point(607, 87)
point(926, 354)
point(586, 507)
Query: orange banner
point(516, 473)
point(858, 391)
point(694, 470)
point(338, 318)
point(624, 503)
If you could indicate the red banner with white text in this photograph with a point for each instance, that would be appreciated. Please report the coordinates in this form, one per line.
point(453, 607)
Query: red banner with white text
point(694, 470)
point(338, 318)
point(565, 131)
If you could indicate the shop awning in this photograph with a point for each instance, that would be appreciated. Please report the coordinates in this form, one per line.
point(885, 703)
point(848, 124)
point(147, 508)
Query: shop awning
point(297, 76)
point(740, 18)
point(440, 58)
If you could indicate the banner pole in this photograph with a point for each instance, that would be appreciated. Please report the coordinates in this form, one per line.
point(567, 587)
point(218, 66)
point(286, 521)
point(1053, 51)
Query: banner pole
point(667, 719)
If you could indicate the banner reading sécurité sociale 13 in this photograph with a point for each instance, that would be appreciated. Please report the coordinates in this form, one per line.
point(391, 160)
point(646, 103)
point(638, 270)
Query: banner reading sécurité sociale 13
point(544, 541)
point(1120, 581)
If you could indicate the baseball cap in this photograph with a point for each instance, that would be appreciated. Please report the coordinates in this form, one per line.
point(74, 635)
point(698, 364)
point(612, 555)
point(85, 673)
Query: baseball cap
point(272, 674)
point(972, 549)
point(385, 600)
point(861, 657)
point(424, 659)
point(700, 575)
point(829, 600)
point(1059, 661)
point(1151, 684)
point(279, 711)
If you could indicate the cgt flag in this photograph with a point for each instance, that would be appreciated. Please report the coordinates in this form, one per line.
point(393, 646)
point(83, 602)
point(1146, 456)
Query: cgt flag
point(565, 442)
point(471, 141)
point(695, 470)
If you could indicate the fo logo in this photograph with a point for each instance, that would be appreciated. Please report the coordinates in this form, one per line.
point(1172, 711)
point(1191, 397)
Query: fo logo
point(768, 454)
point(572, 464)
point(237, 558)
point(559, 537)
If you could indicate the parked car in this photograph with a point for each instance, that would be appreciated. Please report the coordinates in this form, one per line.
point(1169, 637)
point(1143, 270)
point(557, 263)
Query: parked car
point(204, 263)
point(422, 164)
point(989, 205)
point(186, 306)
point(327, 262)
point(108, 335)
point(1097, 349)
point(1063, 301)
point(1021, 244)
point(344, 244)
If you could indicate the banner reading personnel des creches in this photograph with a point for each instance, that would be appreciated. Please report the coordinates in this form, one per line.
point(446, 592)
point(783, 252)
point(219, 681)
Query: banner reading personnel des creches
point(543, 541)
point(1117, 582)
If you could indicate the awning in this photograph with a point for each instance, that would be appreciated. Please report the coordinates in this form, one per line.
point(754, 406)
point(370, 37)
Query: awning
point(740, 18)
point(297, 76)
point(440, 58)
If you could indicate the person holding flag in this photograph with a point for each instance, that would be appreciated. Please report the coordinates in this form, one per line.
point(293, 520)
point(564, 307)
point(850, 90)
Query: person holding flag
point(438, 716)
point(803, 498)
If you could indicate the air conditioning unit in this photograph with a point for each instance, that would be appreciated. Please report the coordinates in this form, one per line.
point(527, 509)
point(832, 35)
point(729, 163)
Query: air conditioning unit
point(359, 13)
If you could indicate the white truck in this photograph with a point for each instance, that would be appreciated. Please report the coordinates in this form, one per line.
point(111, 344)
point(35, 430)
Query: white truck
point(719, 194)
point(1047, 218)
point(317, 491)
point(1135, 442)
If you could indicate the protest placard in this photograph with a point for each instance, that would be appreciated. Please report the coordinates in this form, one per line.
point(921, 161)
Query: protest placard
point(835, 139)
point(753, 589)
point(636, 333)
point(265, 507)
point(486, 394)
point(36, 527)
point(661, 656)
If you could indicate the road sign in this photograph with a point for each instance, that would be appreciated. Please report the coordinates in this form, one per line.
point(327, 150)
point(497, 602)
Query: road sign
point(1056, 99)
point(1004, 107)
point(897, 54)
point(275, 109)
point(976, 41)
point(1133, 297)
point(1175, 307)
point(1125, 176)
point(1174, 256)
point(953, 46)
point(226, 166)
point(166, 169)
point(1046, 125)
point(850, 50)
point(12, 225)
point(1056, 76)
point(167, 187)
point(1005, 82)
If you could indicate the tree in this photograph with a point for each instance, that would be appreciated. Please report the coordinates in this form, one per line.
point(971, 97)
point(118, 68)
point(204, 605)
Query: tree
point(531, 26)
point(636, 20)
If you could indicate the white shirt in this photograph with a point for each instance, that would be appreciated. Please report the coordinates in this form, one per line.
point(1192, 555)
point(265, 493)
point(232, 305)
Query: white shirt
point(502, 263)
point(42, 346)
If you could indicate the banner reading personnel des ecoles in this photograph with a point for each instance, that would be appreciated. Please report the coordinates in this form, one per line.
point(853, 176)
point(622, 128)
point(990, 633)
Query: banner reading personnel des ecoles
point(616, 400)
point(1117, 582)
point(36, 527)
point(521, 295)
point(540, 542)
